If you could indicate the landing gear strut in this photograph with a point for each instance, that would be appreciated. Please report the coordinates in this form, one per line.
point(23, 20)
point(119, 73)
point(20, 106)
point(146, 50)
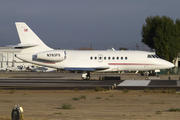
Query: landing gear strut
point(146, 74)
point(86, 76)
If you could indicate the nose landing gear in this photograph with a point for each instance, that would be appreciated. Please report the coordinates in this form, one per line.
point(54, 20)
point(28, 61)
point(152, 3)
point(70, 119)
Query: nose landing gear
point(146, 74)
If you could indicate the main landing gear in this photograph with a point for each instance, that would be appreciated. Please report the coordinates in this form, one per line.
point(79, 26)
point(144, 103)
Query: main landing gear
point(86, 76)
point(146, 74)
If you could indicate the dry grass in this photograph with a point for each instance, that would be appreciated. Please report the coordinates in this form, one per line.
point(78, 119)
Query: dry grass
point(165, 91)
point(49, 104)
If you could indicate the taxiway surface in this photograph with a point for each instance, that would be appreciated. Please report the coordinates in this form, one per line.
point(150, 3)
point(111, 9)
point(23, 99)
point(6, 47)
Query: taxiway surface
point(29, 80)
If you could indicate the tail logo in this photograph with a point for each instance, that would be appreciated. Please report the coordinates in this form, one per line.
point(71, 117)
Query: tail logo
point(25, 30)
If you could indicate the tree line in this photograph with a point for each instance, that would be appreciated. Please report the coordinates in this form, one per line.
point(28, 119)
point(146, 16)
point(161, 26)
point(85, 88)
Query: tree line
point(163, 35)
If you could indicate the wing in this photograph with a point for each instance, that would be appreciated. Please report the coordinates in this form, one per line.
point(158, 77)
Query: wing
point(85, 68)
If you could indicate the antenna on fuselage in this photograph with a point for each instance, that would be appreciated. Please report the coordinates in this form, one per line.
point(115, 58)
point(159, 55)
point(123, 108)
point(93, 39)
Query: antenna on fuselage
point(113, 49)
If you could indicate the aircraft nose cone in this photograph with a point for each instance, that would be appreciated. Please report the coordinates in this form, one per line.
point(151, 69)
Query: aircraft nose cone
point(170, 65)
point(166, 64)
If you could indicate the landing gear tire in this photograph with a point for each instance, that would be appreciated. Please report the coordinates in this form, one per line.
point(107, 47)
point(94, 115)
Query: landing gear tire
point(86, 76)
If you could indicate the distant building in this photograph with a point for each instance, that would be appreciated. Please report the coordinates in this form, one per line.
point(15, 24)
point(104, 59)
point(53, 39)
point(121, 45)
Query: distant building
point(177, 63)
point(7, 58)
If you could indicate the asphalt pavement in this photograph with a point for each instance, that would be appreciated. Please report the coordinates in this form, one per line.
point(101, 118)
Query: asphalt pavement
point(55, 80)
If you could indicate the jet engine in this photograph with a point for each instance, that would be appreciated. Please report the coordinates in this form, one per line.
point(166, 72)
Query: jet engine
point(55, 56)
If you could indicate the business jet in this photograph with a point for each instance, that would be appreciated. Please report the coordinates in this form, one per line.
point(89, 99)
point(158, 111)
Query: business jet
point(35, 51)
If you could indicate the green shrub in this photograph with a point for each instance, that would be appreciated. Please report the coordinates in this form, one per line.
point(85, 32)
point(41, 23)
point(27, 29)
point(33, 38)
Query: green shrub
point(125, 91)
point(58, 113)
point(75, 89)
point(159, 112)
point(107, 98)
point(66, 106)
point(146, 90)
point(12, 91)
point(76, 98)
point(174, 109)
point(111, 96)
point(83, 97)
point(98, 97)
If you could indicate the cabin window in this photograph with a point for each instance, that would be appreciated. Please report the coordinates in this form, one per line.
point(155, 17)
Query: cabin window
point(91, 58)
point(100, 58)
point(104, 58)
point(117, 58)
point(125, 58)
point(109, 58)
point(95, 58)
point(113, 58)
point(121, 58)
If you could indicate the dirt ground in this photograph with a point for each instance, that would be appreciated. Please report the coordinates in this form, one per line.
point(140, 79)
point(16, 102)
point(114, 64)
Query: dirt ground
point(90, 105)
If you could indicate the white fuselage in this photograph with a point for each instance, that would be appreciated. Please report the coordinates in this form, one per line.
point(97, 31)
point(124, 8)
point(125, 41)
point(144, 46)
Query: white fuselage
point(107, 60)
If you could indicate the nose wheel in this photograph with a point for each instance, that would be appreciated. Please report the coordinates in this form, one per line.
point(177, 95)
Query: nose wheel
point(86, 76)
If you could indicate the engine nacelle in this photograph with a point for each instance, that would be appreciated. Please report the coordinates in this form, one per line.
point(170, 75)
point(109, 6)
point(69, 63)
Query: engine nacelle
point(55, 56)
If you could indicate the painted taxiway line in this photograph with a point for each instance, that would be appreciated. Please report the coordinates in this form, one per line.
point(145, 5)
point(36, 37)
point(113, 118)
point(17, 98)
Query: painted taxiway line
point(134, 83)
point(150, 83)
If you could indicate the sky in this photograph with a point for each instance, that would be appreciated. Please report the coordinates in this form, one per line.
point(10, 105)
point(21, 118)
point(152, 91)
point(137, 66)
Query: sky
point(73, 24)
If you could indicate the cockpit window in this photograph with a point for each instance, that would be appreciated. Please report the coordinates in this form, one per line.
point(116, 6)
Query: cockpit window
point(149, 56)
point(156, 56)
point(153, 56)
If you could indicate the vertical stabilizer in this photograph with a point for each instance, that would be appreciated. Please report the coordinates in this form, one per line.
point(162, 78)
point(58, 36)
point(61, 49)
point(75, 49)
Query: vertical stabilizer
point(29, 39)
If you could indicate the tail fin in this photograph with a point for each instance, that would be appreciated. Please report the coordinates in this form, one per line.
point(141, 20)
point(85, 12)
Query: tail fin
point(29, 39)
